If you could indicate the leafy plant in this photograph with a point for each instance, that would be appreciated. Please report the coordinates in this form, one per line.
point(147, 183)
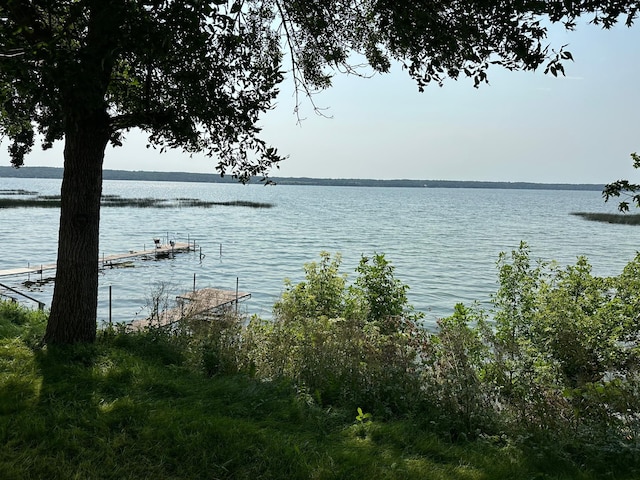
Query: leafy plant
point(384, 295)
point(561, 358)
point(322, 294)
point(362, 417)
point(455, 375)
point(338, 343)
point(214, 343)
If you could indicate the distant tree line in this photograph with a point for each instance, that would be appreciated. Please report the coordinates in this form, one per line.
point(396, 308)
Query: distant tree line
point(52, 172)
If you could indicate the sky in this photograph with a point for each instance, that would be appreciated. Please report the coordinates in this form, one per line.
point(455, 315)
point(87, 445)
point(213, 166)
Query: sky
point(523, 126)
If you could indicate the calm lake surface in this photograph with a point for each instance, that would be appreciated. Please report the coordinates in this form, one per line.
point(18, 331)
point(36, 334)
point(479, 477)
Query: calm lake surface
point(444, 243)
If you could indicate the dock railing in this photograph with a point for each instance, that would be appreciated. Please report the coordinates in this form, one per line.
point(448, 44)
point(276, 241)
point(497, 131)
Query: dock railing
point(20, 294)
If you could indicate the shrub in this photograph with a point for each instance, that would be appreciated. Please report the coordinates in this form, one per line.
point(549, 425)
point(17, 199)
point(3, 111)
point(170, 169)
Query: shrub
point(214, 342)
point(455, 377)
point(321, 294)
point(559, 357)
point(338, 344)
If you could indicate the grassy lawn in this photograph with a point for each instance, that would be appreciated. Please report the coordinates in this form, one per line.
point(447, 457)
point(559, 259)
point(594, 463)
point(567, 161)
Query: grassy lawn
point(131, 407)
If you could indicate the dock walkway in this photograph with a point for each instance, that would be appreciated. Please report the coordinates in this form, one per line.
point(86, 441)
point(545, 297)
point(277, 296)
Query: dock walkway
point(201, 302)
point(108, 260)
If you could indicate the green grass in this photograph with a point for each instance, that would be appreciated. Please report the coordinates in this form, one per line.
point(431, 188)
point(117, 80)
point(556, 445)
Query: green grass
point(130, 407)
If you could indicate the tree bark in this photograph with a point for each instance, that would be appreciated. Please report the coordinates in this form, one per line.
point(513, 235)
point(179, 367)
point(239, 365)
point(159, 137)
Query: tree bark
point(73, 316)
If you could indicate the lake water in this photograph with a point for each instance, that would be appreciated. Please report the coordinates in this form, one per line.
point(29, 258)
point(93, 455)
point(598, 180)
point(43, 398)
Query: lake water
point(443, 242)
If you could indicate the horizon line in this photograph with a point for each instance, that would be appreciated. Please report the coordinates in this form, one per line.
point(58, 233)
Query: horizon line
point(228, 178)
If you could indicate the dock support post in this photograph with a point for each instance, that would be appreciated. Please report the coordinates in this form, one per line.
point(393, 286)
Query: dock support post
point(110, 323)
point(194, 282)
point(236, 295)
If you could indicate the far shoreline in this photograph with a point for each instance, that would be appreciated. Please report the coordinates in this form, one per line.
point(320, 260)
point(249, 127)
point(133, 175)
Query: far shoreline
point(138, 175)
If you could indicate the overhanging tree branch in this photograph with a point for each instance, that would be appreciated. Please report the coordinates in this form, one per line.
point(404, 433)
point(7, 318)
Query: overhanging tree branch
point(625, 189)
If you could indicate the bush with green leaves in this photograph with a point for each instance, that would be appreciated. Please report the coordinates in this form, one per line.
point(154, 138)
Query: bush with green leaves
point(214, 343)
point(557, 356)
point(353, 345)
point(454, 375)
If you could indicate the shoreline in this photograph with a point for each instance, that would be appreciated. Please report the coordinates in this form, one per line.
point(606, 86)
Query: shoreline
point(56, 173)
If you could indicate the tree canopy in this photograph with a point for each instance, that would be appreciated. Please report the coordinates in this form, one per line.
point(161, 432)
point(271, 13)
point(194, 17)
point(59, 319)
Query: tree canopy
point(197, 75)
point(191, 74)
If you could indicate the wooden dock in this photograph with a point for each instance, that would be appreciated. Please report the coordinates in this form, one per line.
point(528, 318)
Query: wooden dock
point(108, 260)
point(206, 301)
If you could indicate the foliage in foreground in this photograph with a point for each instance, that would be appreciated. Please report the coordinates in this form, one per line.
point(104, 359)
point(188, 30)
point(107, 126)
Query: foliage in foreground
point(136, 405)
point(557, 363)
point(555, 360)
point(356, 345)
point(343, 383)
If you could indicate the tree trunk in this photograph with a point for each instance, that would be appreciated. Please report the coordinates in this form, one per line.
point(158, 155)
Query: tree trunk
point(73, 316)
